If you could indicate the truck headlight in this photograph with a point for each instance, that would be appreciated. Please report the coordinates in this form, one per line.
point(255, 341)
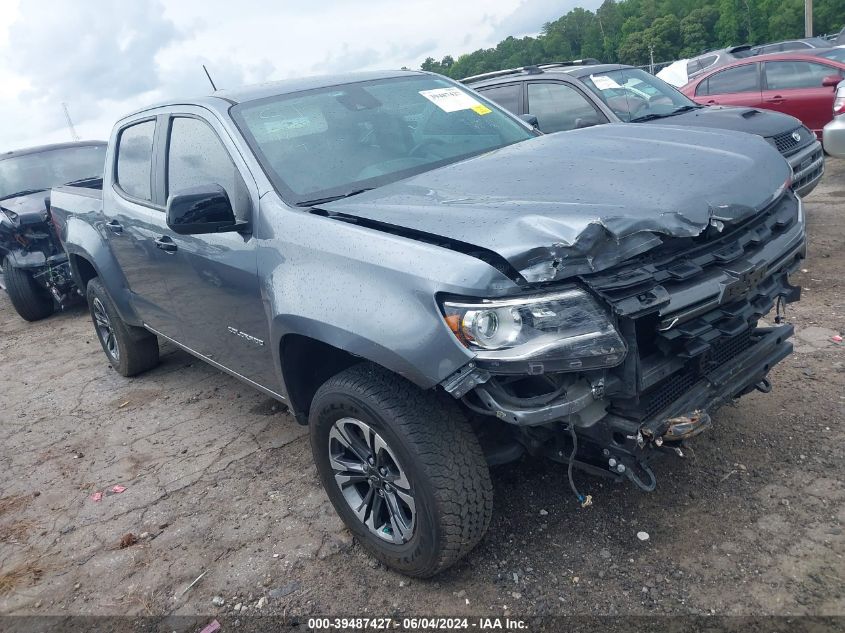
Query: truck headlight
point(567, 326)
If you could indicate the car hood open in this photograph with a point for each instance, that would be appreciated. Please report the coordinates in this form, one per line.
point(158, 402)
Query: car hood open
point(581, 201)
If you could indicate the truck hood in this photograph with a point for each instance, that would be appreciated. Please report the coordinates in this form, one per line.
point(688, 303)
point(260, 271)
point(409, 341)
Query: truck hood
point(761, 122)
point(581, 201)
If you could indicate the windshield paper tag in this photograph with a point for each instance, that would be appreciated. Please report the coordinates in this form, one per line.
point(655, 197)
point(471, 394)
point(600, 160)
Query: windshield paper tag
point(602, 82)
point(454, 99)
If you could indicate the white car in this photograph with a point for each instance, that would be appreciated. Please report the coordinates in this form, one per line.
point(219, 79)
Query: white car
point(834, 132)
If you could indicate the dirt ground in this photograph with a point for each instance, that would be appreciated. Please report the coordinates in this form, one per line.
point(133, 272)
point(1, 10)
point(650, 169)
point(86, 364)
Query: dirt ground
point(219, 481)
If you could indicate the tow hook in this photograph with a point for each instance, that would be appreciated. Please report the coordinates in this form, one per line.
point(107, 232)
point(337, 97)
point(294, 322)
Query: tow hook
point(764, 386)
point(686, 426)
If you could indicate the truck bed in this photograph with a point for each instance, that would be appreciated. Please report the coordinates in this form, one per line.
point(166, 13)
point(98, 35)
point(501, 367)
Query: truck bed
point(85, 198)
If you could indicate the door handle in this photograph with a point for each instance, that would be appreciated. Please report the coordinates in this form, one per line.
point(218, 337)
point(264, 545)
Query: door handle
point(166, 244)
point(712, 102)
point(115, 227)
point(776, 99)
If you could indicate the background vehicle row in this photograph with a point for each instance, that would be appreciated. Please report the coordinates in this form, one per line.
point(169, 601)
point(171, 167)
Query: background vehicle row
point(568, 96)
point(33, 261)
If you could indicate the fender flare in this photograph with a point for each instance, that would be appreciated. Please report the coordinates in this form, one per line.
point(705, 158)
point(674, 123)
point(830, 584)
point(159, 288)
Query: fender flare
point(353, 344)
point(83, 242)
point(350, 344)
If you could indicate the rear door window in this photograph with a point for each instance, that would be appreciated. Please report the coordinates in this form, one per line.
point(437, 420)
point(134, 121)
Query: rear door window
point(791, 75)
point(509, 96)
point(559, 107)
point(134, 160)
point(734, 80)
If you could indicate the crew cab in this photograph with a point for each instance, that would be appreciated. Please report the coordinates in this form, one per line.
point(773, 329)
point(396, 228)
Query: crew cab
point(434, 287)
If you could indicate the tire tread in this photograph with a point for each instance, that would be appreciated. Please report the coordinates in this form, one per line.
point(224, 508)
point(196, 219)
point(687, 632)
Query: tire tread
point(440, 435)
point(31, 301)
point(138, 347)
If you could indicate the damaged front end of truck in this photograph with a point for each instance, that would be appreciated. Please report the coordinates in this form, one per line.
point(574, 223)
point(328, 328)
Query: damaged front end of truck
point(645, 260)
point(28, 243)
point(682, 337)
point(36, 273)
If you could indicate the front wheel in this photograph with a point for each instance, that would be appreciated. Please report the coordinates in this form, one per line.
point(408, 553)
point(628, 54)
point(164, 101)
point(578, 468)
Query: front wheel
point(130, 349)
point(402, 468)
point(30, 300)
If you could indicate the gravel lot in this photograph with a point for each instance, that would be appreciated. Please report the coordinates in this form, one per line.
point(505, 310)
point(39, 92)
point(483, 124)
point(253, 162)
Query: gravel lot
point(220, 481)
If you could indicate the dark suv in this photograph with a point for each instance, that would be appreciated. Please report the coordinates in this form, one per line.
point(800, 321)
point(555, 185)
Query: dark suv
point(570, 95)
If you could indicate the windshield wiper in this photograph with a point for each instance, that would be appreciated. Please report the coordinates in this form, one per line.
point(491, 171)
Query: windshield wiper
point(648, 117)
point(311, 203)
point(655, 115)
point(18, 194)
point(685, 108)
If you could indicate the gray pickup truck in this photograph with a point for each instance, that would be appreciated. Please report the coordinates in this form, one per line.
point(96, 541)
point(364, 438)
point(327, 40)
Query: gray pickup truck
point(434, 287)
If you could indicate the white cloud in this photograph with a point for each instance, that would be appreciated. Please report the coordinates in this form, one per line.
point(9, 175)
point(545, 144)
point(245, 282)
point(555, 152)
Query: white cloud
point(530, 16)
point(108, 57)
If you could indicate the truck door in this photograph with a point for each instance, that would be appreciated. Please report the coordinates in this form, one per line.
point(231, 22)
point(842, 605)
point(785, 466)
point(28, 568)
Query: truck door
point(135, 226)
point(214, 286)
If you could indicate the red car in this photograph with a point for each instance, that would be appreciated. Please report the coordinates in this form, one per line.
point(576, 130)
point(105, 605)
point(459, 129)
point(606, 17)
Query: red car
point(802, 84)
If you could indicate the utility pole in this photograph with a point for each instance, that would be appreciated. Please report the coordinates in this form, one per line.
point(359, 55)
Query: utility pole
point(651, 58)
point(808, 18)
point(73, 133)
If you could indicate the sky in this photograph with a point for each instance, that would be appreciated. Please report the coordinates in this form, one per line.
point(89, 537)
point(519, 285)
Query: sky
point(105, 58)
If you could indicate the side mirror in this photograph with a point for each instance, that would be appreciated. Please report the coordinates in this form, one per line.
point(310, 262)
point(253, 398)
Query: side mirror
point(531, 120)
point(202, 209)
point(831, 81)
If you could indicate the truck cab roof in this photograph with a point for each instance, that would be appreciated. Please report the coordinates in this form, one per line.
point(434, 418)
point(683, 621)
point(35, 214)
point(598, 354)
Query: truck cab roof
point(222, 98)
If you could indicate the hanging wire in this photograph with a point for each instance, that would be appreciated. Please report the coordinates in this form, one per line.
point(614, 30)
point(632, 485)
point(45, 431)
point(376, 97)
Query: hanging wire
point(583, 500)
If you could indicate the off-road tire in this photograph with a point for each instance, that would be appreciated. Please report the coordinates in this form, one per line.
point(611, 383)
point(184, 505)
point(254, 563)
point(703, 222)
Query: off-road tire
point(30, 300)
point(439, 453)
point(137, 347)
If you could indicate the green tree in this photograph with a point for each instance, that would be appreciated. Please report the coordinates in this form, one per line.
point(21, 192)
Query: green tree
point(628, 30)
point(634, 49)
point(430, 65)
point(697, 31)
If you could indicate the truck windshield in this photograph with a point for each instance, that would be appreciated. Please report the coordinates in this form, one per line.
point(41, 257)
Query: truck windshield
point(39, 171)
point(334, 142)
point(635, 95)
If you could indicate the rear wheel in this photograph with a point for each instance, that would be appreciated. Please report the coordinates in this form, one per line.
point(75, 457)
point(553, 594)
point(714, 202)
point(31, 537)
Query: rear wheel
point(402, 468)
point(130, 349)
point(31, 301)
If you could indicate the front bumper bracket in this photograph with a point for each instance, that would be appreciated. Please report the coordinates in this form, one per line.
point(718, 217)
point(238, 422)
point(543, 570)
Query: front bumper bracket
point(727, 381)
